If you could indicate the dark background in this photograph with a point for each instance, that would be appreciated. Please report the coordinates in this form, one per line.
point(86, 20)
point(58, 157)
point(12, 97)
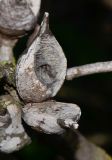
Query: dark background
point(84, 30)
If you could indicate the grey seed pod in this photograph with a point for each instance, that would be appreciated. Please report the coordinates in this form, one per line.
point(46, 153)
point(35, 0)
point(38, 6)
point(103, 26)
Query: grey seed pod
point(18, 16)
point(44, 116)
point(41, 71)
point(12, 134)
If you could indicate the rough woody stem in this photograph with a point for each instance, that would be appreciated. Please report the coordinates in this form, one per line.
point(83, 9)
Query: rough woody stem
point(99, 67)
point(6, 49)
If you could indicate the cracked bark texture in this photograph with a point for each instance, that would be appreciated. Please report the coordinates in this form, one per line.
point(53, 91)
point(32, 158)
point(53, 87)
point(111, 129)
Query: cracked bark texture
point(99, 67)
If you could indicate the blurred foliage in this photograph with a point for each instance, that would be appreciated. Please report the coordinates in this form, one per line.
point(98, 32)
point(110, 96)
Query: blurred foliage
point(84, 30)
point(82, 149)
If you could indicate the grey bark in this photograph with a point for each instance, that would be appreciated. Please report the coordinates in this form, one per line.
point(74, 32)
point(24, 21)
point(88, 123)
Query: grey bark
point(41, 70)
point(99, 67)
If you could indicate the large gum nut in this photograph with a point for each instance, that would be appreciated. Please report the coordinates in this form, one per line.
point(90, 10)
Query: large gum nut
point(41, 71)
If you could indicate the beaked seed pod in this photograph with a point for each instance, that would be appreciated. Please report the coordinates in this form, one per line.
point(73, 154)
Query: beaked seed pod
point(18, 16)
point(44, 116)
point(41, 70)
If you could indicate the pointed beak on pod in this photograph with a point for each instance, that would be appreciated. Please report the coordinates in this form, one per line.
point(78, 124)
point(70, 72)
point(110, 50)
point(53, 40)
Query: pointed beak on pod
point(41, 70)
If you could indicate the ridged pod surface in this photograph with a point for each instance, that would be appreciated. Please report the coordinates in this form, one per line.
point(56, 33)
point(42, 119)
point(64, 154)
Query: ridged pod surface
point(41, 70)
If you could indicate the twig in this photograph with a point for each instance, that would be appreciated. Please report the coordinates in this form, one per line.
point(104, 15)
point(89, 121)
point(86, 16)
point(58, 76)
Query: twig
point(99, 67)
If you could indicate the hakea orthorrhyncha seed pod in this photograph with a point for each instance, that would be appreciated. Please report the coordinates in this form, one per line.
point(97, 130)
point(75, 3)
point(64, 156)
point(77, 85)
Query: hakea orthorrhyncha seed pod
point(41, 70)
point(40, 73)
point(46, 116)
point(18, 16)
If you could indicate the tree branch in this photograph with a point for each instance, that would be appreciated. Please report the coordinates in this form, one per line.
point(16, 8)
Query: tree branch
point(99, 67)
